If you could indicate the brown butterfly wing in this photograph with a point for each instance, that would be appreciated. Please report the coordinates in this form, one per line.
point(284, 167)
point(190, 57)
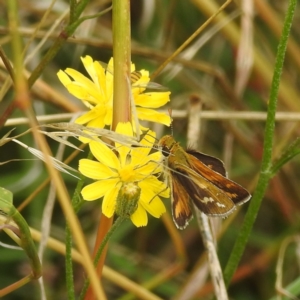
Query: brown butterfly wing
point(207, 197)
point(213, 163)
point(181, 206)
point(234, 191)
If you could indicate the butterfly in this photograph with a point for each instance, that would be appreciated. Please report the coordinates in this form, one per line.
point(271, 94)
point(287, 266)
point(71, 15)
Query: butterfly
point(200, 178)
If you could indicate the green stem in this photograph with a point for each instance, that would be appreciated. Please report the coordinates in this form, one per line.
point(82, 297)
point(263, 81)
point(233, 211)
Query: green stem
point(265, 173)
point(122, 62)
point(78, 8)
point(95, 15)
point(116, 224)
point(69, 264)
point(75, 11)
point(76, 203)
point(72, 15)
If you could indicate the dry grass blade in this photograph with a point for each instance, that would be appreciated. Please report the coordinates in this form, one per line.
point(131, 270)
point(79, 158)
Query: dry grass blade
point(57, 164)
point(93, 133)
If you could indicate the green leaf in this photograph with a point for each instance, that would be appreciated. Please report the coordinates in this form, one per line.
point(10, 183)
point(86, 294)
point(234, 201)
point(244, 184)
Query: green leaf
point(6, 200)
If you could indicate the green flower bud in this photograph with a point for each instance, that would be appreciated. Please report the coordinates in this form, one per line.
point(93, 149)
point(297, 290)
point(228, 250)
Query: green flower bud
point(127, 199)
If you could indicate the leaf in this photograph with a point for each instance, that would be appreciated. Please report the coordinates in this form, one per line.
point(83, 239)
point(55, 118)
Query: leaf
point(6, 200)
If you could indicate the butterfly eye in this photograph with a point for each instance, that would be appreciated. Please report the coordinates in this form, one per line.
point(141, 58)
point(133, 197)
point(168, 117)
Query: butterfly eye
point(165, 151)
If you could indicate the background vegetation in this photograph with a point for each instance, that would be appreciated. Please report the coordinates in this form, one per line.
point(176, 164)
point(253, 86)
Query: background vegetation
point(219, 69)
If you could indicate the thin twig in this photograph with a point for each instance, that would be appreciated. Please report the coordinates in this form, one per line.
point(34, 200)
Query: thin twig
point(202, 219)
point(208, 115)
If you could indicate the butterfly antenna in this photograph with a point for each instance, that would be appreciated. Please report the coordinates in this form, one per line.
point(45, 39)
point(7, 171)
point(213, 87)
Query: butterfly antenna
point(171, 125)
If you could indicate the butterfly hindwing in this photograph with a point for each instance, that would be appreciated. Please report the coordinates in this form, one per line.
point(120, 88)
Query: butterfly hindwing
point(181, 206)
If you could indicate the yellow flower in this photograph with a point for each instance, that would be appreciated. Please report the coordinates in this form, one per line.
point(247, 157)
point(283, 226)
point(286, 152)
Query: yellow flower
point(126, 170)
point(97, 94)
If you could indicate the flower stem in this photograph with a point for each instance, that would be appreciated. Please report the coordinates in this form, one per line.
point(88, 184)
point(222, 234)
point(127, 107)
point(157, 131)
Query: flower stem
point(122, 62)
point(121, 113)
point(76, 203)
point(88, 293)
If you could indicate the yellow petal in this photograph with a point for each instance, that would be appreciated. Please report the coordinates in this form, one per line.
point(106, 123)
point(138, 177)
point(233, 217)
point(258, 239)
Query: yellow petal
point(109, 75)
point(149, 139)
point(152, 100)
point(154, 206)
point(95, 170)
point(132, 67)
point(83, 93)
point(90, 68)
point(109, 200)
point(96, 72)
point(81, 80)
point(154, 187)
point(101, 76)
point(153, 116)
point(108, 115)
point(104, 155)
point(97, 189)
point(140, 155)
point(126, 129)
point(64, 78)
point(95, 113)
point(139, 217)
point(149, 168)
point(96, 122)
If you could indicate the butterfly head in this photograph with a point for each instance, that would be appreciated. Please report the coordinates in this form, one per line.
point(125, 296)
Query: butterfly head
point(166, 144)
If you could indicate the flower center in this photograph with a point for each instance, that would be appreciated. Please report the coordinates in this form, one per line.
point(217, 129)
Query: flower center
point(127, 173)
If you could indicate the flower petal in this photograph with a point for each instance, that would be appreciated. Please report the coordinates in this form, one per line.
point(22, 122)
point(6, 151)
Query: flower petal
point(95, 170)
point(97, 189)
point(149, 139)
point(152, 100)
point(140, 155)
point(104, 154)
point(82, 80)
point(95, 71)
point(139, 218)
point(64, 78)
point(126, 129)
point(96, 113)
point(109, 200)
point(154, 187)
point(153, 116)
point(150, 168)
point(109, 76)
point(83, 93)
point(155, 207)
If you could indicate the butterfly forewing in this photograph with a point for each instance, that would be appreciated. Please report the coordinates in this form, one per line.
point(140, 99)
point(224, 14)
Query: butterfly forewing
point(210, 161)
